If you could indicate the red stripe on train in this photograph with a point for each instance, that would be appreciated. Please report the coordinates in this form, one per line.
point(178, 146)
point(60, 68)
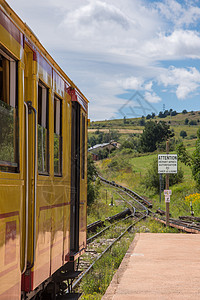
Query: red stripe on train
point(11, 28)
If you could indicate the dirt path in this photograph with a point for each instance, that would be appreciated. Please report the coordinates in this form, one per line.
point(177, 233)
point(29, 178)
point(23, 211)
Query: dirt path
point(119, 130)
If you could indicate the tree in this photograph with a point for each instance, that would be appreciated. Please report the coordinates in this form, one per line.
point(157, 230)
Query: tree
point(186, 121)
point(161, 115)
point(183, 155)
point(92, 184)
point(184, 111)
point(148, 117)
point(142, 121)
point(92, 141)
point(129, 143)
point(153, 134)
point(183, 134)
point(173, 113)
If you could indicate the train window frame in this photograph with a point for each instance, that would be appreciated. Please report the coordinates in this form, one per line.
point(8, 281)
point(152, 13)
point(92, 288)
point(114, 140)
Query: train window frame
point(58, 130)
point(43, 119)
point(83, 145)
point(9, 107)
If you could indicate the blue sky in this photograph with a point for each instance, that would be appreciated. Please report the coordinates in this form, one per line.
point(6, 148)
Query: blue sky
point(124, 53)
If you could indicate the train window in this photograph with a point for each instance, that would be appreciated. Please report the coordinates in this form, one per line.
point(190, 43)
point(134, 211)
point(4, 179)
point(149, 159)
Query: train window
point(57, 136)
point(43, 130)
point(83, 146)
point(9, 130)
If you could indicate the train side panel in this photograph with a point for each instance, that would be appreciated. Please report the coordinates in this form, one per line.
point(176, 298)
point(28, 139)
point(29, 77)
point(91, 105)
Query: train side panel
point(12, 181)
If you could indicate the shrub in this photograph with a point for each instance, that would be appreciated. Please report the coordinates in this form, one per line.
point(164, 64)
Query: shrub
point(151, 179)
point(193, 122)
point(186, 121)
point(183, 134)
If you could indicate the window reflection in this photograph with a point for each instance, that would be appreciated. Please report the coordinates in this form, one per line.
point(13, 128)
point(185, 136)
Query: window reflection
point(83, 146)
point(8, 115)
point(57, 136)
point(43, 130)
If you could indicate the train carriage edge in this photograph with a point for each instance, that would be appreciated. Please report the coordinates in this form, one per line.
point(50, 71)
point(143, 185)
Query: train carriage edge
point(43, 163)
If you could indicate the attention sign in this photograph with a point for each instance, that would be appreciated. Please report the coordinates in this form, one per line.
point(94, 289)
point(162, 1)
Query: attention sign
point(167, 163)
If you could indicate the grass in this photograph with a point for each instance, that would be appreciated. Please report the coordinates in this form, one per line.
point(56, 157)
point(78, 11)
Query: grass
point(101, 208)
point(96, 282)
point(132, 123)
point(134, 172)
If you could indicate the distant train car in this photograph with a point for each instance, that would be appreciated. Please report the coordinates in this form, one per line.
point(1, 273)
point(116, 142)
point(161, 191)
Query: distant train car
point(43, 176)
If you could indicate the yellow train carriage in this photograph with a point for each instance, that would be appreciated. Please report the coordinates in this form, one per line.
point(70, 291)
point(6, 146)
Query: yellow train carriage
point(43, 176)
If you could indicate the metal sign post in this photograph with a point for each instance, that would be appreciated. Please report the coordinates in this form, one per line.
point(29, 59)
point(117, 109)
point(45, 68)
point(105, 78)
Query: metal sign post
point(167, 164)
point(167, 188)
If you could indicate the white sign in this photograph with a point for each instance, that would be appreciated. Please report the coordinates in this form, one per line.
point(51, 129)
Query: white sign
point(167, 192)
point(167, 163)
point(167, 198)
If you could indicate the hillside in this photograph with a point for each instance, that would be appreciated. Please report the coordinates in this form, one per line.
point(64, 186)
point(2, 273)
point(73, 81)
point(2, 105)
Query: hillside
point(134, 123)
point(187, 121)
point(129, 166)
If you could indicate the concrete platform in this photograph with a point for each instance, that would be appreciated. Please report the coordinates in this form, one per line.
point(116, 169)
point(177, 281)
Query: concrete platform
point(158, 266)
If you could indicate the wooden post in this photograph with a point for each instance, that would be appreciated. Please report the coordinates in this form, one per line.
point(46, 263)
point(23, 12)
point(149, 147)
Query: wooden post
point(167, 188)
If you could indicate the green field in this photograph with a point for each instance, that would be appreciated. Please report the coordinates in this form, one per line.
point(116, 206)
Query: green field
point(129, 168)
point(134, 172)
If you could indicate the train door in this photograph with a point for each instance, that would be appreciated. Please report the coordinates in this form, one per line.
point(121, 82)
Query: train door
point(29, 161)
point(75, 177)
point(38, 241)
point(83, 183)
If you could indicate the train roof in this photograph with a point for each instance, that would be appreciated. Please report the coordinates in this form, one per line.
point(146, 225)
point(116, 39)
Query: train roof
point(29, 34)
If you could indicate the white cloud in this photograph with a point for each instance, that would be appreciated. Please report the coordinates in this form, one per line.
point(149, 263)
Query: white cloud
point(152, 97)
point(178, 45)
point(185, 81)
point(134, 83)
point(148, 86)
point(109, 46)
point(184, 14)
point(97, 13)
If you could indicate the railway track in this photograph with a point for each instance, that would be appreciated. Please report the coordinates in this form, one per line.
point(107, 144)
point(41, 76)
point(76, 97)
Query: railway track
point(121, 223)
point(141, 199)
point(179, 224)
point(97, 247)
point(187, 226)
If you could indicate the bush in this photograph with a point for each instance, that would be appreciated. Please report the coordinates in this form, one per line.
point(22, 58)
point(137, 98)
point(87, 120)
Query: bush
point(193, 122)
point(186, 121)
point(193, 136)
point(151, 179)
point(183, 134)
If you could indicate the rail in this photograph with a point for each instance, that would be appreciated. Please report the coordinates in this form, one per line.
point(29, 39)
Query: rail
point(146, 202)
